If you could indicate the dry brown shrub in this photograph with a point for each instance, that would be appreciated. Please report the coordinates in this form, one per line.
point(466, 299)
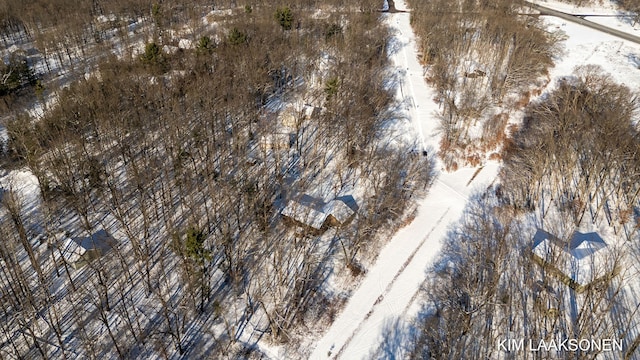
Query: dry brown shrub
point(445, 145)
point(356, 268)
point(493, 131)
point(408, 220)
point(625, 214)
point(523, 101)
point(513, 129)
point(473, 160)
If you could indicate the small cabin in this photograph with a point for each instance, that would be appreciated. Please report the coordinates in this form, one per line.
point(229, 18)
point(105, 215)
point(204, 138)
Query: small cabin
point(317, 216)
point(78, 252)
point(338, 213)
point(306, 214)
point(291, 118)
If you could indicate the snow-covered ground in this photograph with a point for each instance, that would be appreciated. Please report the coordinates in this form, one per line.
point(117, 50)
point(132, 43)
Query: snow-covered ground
point(585, 46)
point(388, 292)
point(384, 303)
point(608, 14)
point(386, 295)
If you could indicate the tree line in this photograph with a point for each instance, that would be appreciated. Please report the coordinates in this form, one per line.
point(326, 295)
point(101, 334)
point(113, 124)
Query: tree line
point(578, 150)
point(486, 287)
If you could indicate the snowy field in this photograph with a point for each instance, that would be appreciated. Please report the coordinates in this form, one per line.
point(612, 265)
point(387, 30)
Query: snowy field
point(248, 327)
point(585, 46)
point(607, 14)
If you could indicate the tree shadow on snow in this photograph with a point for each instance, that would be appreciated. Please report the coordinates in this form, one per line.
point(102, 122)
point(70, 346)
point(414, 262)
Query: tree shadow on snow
point(395, 340)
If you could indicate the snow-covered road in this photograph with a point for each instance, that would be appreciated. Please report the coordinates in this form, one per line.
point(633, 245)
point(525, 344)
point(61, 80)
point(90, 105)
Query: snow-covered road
point(390, 285)
point(581, 21)
point(385, 297)
point(374, 321)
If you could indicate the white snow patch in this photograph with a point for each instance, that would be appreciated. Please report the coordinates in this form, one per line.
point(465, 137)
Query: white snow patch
point(185, 44)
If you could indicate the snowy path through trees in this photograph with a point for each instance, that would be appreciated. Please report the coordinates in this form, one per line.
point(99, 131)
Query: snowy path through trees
point(374, 323)
point(376, 312)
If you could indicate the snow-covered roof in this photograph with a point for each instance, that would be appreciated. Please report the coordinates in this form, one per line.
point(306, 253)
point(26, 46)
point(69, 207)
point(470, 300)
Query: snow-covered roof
point(582, 259)
point(73, 250)
point(277, 141)
point(311, 111)
point(339, 210)
point(313, 212)
point(307, 214)
point(168, 49)
point(185, 44)
point(585, 245)
point(289, 117)
point(276, 138)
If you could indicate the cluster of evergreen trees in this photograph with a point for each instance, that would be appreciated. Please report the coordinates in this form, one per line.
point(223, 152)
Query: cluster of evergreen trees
point(15, 75)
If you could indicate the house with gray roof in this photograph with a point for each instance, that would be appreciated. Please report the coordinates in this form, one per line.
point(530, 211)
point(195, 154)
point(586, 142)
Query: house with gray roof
point(579, 262)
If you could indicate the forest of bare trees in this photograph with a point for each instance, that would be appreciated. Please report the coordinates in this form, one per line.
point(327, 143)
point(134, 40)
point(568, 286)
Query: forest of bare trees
point(633, 7)
point(483, 58)
point(162, 149)
point(163, 123)
point(573, 164)
point(486, 288)
point(578, 151)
